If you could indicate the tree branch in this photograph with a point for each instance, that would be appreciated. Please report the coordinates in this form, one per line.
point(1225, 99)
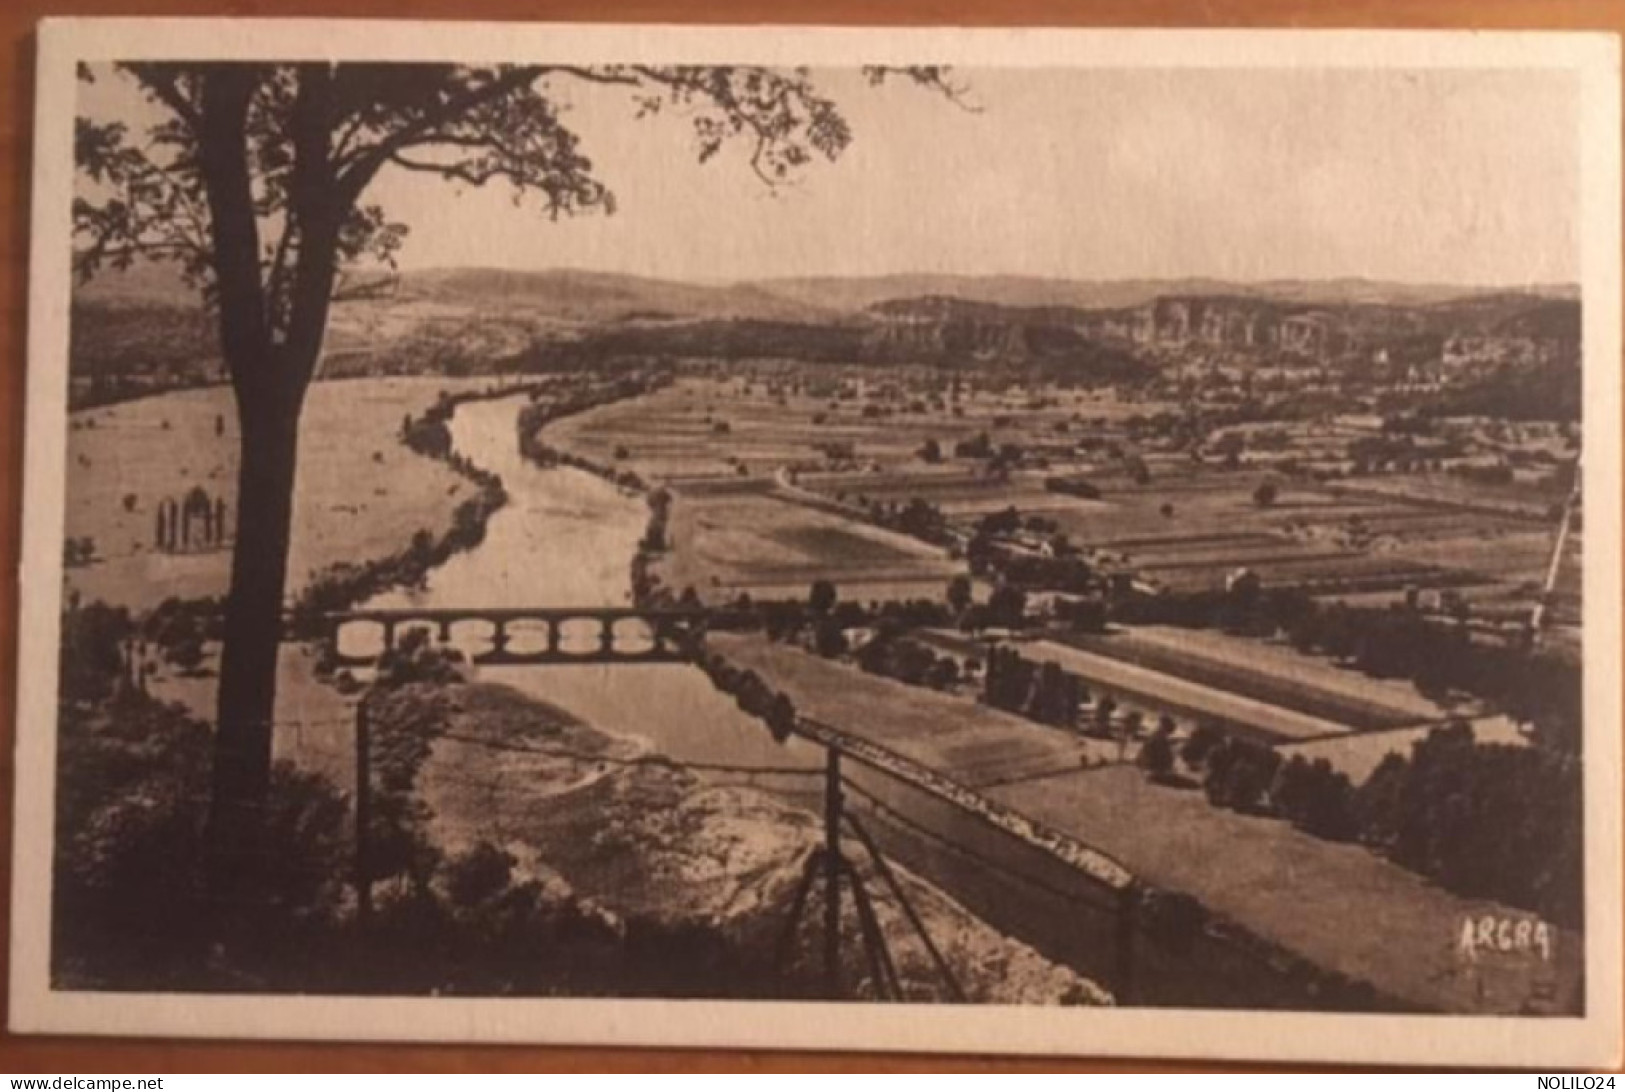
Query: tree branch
point(367, 159)
point(223, 162)
point(164, 83)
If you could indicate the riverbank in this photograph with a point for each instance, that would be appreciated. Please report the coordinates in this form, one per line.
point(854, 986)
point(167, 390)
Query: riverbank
point(626, 836)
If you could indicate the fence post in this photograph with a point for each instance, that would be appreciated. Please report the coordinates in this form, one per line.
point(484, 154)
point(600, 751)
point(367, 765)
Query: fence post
point(1128, 901)
point(363, 812)
point(832, 873)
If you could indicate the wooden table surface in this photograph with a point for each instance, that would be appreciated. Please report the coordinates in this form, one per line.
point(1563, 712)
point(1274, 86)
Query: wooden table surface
point(39, 1054)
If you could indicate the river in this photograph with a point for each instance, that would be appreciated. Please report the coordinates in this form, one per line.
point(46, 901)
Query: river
point(566, 539)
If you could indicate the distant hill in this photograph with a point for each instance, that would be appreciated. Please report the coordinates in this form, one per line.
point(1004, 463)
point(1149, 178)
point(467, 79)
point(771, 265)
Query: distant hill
point(585, 296)
point(141, 326)
point(862, 293)
point(588, 296)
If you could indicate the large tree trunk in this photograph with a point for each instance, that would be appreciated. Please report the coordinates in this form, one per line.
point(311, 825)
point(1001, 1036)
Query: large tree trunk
point(253, 632)
point(270, 372)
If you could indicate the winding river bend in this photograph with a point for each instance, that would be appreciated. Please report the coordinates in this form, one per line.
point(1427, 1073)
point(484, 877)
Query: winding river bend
point(566, 539)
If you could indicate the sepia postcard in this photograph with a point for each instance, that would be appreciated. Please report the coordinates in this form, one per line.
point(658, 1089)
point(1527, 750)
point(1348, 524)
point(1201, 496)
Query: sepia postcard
point(1069, 541)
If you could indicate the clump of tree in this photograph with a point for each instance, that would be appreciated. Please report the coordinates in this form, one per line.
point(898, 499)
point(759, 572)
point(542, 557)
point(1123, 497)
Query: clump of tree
point(1040, 691)
point(1007, 607)
point(1239, 774)
point(180, 628)
point(890, 654)
point(918, 518)
point(654, 535)
point(1484, 820)
point(1490, 821)
point(1082, 614)
point(979, 446)
point(1156, 755)
point(1204, 738)
point(822, 596)
point(93, 640)
point(78, 551)
point(1072, 485)
point(752, 694)
point(1315, 798)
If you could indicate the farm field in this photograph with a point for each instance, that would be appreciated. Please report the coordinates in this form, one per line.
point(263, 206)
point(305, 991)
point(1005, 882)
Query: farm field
point(1327, 574)
point(1524, 500)
point(360, 493)
point(971, 743)
point(1187, 527)
point(961, 494)
point(702, 426)
point(1267, 671)
point(1515, 556)
point(722, 545)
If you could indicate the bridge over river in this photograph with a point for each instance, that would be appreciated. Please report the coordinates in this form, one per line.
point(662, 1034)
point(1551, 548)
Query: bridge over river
point(526, 636)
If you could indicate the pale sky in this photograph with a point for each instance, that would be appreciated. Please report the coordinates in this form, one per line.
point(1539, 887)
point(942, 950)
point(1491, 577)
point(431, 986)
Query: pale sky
point(1449, 176)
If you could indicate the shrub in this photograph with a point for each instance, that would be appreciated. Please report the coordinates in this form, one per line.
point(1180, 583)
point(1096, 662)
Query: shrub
point(1156, 756)
point(829, 639)
point(475, 876)
point(1315, 798)
point(1199, 745)
point(821, 596)
point(129, 906)
point(92, 659)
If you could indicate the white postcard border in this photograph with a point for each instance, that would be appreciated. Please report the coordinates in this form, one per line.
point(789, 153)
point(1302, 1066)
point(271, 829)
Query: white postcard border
point(1493, 1041)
